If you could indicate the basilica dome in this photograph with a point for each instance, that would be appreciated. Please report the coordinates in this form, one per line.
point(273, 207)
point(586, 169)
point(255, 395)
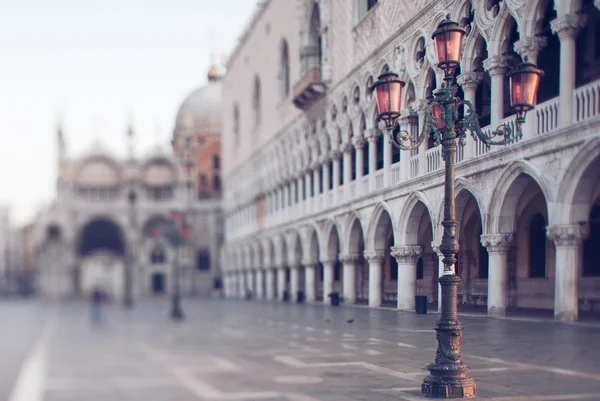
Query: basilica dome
point(200, 112)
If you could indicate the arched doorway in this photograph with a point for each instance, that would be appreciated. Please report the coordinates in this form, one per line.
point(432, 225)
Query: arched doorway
point(472, 258)
point(419, 232)
point(382, 289)
point(101, 248)
point(530, 259)
point(356, 249)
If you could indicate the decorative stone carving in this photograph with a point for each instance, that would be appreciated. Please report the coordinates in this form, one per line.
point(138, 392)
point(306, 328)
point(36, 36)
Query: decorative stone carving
point(372, 134)
point(349, 257)
point(374, 256)
point(497, 242)
point(347, 147)
point(419, 105)
point(469, 80)
point(407, 254)
point(495, 65)
point(567, 234)
point(568, 26)
point(334, 154)
point(359, 142)
point(530, 47)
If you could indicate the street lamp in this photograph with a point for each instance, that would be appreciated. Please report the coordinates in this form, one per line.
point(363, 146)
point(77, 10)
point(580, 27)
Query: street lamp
point(177, 232)
point(448, 375)
point(130, 255)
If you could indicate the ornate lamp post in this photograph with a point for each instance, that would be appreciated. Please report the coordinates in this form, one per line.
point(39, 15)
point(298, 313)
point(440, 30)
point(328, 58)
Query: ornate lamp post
point(448, 374)
point(177, 232)
point(130, 255)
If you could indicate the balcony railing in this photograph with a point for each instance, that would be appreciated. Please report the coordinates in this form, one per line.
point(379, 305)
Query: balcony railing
point(586, 101)
point(309, 88)
point(434, 156)
point(395, 173)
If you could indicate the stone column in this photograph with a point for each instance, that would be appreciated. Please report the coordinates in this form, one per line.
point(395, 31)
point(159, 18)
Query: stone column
point(359, 143)
point(469, 82)
point(326, 175)
point(259, 283)
point(497, 246)
point(328, 266)
point(407, 257)
point(335, 156)
point(308, 185)
point(347, 150)
point(567, 27)
point(309, 281)
point(280, 282)
point(375, 259)
point(435, 246)
point(349, 284)
point(294, 282)
point(496, 67)
point(372, 139)
point(568, 240)
point(387, 160)
point(270, 283)
point(316, 178)
point(249, 282)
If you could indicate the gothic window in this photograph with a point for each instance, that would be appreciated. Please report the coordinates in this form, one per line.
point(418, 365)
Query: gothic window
point(203, 259)
point(330, 174)
point(363, 7)
point(356, 95)
point(587, 60)
point(537, 246)
point(256, 102)
point(420, 52)
point(321, 185)
point(157, 255)
point(353, 173)
point(549, 58)
point(341, 176)
point(216, 162)
point(284, 77)
point(216, 182)
point(591, 250)
point(236, 125)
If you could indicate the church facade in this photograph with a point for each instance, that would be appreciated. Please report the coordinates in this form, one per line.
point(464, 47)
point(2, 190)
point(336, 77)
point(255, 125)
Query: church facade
point(104, 218)
point(319, 201)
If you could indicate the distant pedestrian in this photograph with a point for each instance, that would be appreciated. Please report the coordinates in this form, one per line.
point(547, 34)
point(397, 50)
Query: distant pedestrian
point(97, 299)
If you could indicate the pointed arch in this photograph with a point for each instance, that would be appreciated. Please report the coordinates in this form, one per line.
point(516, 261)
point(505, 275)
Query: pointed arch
point(577, 187)
point(381, 220)
point(353, 234)
point(506, 196)
point(415, 206)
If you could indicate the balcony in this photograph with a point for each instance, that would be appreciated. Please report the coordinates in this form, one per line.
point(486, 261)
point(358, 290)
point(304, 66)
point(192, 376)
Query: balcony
point(310, 87)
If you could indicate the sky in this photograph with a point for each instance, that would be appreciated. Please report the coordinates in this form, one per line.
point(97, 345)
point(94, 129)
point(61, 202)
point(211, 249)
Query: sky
point(95, 67)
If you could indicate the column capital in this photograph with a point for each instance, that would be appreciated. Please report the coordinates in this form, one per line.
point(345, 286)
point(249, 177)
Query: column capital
point(407, 253)
point(316, 165)
point(495, 65)
point(497, 242)
point(309, 262)
point(419, 105)
point(435, 246)
point(530, 47)
point(374, 256)
point(349, 257)
point(347, 147)
point(372, 134)
point(328, 261)
point(359, 142)
point(335, 154)
point(567, 234)
point(470, 80)
point(568, 26)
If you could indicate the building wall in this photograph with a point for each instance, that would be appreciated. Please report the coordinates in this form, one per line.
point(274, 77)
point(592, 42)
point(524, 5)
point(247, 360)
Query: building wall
point(527, 204)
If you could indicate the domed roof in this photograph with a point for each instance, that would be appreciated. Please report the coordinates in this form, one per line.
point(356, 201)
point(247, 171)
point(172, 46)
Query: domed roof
point(200, 112)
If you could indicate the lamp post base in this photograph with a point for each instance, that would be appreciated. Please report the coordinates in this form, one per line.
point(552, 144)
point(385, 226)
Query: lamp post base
point(176, 311)
point(444, 383)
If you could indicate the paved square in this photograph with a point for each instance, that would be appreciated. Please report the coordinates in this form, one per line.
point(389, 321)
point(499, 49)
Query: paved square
point(234, 350)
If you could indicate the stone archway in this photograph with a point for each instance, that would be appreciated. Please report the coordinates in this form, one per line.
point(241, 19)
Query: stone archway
point(382, 286)
point(356, 268)
point(331, 266)
point(101, 249)
point(530, 259)
point(472, 264)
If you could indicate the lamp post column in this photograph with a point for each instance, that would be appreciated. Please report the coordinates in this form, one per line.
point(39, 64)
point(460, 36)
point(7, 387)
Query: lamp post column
point(375, 258)
point(448, 374)
point(176, 312)
point(497, 246)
